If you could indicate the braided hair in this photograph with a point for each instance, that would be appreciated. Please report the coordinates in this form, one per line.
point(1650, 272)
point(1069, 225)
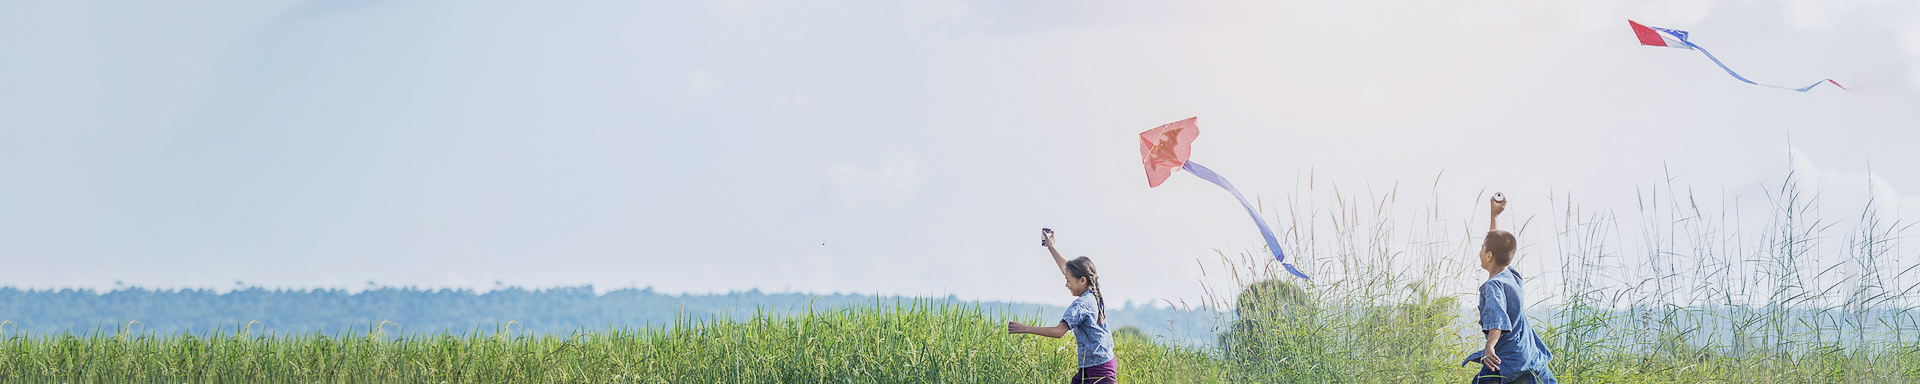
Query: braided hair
point(1082, 267)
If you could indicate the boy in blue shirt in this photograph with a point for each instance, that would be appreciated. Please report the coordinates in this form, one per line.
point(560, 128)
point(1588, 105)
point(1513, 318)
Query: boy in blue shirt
point(1512, 354)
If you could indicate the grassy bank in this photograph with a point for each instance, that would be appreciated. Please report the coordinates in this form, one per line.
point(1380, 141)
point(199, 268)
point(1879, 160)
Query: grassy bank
point(926, 341)
point(921, 341)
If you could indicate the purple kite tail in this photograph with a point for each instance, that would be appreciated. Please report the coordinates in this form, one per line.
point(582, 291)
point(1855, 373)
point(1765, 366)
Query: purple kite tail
point(1273, 244)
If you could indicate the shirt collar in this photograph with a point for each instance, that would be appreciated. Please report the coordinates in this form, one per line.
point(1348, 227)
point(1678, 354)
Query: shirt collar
point(1508, 271)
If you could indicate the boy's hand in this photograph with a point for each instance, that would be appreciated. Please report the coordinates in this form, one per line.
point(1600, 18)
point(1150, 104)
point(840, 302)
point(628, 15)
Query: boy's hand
point(1014, 327)
point(1492, 361)
point(1498, 202)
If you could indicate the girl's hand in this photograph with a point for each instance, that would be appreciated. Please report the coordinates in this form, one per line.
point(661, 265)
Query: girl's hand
point(1046, 237)
point(1014, 327)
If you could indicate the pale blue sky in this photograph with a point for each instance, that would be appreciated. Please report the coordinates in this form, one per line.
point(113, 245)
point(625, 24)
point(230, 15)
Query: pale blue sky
point(897, 147)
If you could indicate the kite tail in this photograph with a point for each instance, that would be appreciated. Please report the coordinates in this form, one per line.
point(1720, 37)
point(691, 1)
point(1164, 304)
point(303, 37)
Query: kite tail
point(1723, 66)
point(1716, 61)
point(1273, 244)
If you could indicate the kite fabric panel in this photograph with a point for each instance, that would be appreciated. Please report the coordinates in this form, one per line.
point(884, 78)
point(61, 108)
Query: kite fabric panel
point(1674, 38)
point(1166, 148)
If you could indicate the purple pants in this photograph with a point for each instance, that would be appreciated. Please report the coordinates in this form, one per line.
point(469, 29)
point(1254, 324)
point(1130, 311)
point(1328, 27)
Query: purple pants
point(1104, 373)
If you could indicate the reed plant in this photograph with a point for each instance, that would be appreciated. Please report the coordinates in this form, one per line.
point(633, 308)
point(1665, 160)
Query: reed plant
point(1668, 292)
point(1702, 296)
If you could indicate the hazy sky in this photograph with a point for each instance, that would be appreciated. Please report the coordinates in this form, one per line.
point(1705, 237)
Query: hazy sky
point(895, 147)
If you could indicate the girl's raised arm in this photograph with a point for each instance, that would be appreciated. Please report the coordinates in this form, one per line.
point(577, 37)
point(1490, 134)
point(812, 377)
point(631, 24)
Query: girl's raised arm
point(1046, 238)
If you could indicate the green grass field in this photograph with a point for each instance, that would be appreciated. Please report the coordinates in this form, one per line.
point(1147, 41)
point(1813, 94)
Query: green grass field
point(925, 341)
point(1669, 293)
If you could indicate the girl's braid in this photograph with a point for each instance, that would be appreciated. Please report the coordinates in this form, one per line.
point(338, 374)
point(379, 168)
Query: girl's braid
point(1097, 299)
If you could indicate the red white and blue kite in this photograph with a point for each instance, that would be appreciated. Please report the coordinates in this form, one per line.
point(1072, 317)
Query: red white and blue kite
point(1165, 148)
point(1673, 38)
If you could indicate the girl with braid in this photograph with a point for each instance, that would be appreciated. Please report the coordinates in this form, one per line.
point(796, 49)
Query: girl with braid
point(1086, 318)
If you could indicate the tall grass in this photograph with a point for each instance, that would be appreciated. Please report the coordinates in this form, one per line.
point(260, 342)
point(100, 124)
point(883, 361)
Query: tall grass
point(918, 341)
point(1372, 313)
point(1706, 299)
point(1669, 292)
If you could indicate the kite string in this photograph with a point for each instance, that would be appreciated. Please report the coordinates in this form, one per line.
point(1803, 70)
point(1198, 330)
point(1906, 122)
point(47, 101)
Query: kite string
point(1586, 109)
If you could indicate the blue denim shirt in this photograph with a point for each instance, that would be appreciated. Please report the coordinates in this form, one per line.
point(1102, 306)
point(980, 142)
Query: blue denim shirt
point(1095, 345)
point(1519, 349)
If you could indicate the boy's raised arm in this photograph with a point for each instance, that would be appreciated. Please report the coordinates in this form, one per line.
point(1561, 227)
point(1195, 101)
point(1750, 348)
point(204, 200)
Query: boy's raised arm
point(1498, 204)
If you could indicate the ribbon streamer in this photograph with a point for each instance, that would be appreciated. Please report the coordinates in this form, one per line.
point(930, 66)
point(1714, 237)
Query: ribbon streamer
point(1273, 244)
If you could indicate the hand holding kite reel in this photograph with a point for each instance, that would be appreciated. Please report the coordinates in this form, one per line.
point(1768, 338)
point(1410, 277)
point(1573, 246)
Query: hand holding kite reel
point(1498, 204)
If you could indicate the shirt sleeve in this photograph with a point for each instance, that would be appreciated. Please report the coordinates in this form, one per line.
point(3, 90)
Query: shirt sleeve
point(1074, 315)
point(1493, 308)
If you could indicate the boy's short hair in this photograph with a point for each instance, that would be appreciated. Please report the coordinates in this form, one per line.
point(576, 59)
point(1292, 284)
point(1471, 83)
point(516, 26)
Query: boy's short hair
point(1501, 244)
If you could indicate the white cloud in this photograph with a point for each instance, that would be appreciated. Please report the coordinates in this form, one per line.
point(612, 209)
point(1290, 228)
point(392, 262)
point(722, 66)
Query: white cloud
point(699, 82)
point(1909, 43)
point(889, 182)
point(1368, 92)
point(1844, 191)
point(1672, 13)
point(935, 13)
point(1489, 16)
point(1816, 14)
point(741, 6)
